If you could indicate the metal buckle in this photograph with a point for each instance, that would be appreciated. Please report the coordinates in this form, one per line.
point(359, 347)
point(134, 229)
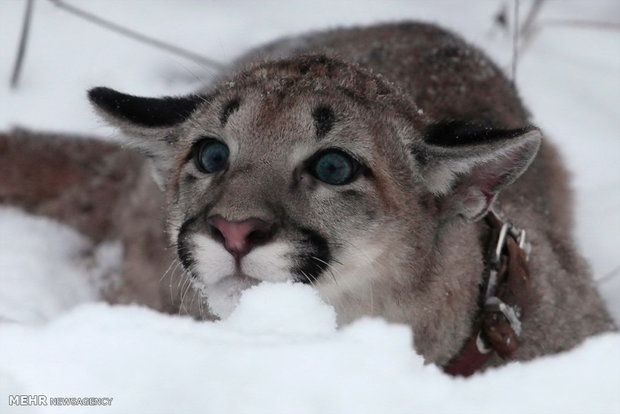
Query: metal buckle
point(524, 245)
point(497, 260)
point(500, 244)
point(491, 302)
point(521, 238)
point(518, 234)
point(495, 304)
point(491, 284)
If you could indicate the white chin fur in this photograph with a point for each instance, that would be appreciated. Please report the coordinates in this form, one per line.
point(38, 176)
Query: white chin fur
point(268, 263)
point(215, 269)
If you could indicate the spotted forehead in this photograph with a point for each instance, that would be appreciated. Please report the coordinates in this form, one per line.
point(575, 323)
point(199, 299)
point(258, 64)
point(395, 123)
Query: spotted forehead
point(322, 113)
point(255, 114)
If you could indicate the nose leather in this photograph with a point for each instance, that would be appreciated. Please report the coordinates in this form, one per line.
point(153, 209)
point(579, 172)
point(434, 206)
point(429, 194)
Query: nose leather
point(240, 237)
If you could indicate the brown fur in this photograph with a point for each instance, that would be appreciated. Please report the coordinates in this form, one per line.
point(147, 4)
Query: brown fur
point(103, 191)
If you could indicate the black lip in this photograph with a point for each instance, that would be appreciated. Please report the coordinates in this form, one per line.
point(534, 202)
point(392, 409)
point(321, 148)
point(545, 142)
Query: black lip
point(315, 259)
point(183, 249)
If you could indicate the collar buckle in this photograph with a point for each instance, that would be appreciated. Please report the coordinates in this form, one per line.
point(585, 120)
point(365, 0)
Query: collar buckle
point(505, 297)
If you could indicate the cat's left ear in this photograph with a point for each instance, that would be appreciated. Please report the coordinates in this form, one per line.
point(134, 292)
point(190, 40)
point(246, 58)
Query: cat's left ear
point(148, 123)
point(466, 165)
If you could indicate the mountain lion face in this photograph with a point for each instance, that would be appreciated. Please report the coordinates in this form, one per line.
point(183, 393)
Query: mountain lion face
point(307, 170)
point(285, 178)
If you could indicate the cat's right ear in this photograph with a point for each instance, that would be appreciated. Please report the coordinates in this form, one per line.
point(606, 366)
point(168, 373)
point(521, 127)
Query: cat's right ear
point(148, 123)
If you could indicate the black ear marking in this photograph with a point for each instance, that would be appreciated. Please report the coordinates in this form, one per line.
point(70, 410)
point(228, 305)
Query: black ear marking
point(467, 165)
point(460, 133)
point(228, 109)
point(323, 120)
point(146, 112)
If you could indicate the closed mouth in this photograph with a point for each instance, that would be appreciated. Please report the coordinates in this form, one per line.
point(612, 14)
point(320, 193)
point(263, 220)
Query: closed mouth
point(239, 278)
point(242, 276)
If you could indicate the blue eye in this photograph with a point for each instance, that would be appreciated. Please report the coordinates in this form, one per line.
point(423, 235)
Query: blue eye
point(334, 167)
point(212, 156)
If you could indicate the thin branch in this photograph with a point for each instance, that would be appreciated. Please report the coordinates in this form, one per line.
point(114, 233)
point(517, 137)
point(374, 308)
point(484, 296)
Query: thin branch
point(609, 276)
point(532, 15)
point(579, 24)
point(138, 36)
point(23, 41)
point(515, 41)
point(586, 24)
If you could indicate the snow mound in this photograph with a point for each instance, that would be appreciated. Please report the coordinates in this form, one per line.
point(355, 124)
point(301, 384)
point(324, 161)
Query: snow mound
point(293, 361)
point(47, 268)
point(294, 309)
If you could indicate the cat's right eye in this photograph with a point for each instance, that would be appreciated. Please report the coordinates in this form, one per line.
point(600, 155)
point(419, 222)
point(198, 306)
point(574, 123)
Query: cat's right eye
point(211, 156)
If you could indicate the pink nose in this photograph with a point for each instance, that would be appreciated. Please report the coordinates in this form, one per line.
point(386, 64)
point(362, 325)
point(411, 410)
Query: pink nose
point(240, 237)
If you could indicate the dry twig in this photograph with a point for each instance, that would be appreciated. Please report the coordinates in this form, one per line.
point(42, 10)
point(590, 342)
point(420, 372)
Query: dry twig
point(138, 36)
point(23, 41)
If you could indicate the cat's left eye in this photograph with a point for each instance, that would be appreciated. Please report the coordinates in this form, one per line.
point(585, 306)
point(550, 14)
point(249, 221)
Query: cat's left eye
point(334, 167)
point(211, 156)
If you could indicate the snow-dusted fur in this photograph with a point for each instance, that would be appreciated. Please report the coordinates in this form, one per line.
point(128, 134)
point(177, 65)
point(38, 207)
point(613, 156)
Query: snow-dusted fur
point(439, 131)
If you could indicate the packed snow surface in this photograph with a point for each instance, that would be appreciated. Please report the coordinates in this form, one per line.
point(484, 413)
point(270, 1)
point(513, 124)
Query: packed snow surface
point(47, 268)
point(280, 350)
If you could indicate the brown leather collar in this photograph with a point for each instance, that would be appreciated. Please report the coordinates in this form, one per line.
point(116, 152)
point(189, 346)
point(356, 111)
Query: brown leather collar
point(505, 296)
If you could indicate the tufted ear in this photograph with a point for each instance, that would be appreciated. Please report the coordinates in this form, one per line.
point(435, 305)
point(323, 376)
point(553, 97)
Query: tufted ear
point(467, 165)
point(148, 123)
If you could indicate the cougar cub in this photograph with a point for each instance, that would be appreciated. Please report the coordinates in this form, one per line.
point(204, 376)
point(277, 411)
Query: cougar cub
point(361, 161)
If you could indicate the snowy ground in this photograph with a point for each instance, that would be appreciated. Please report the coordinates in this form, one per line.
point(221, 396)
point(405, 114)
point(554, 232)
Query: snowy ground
point(263, 360)
point(257, 361)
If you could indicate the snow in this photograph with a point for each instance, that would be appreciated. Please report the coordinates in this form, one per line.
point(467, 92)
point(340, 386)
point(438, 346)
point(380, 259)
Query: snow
point(50, 265)
point(280, 351)
point(286, 363)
